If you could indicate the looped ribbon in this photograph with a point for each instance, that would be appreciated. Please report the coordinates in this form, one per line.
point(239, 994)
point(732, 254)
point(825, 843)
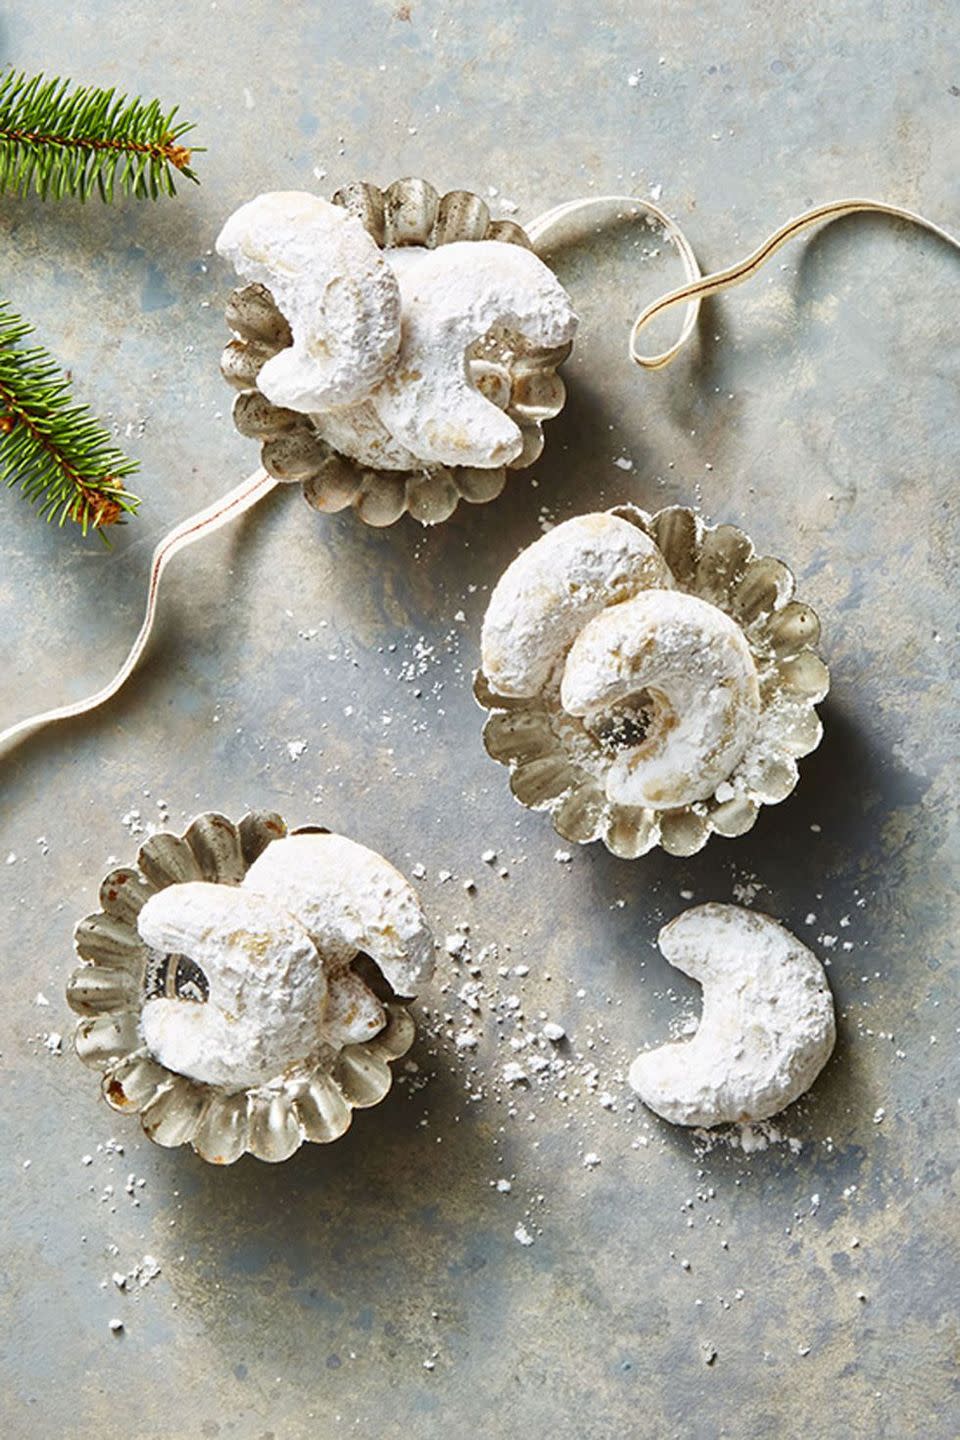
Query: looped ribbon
point(698, 287)
point(632, 206)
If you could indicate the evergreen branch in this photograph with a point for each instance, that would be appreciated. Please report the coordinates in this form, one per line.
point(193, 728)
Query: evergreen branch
point(61, 457)
point(71, 140)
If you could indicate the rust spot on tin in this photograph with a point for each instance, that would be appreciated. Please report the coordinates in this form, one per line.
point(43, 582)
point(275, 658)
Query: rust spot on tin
point(116, 1094)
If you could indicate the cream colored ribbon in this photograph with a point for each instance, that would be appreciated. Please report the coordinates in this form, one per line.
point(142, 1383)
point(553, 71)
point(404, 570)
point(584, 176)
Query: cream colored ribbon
point(628, 207)
point(227, 508)
point(697, 288)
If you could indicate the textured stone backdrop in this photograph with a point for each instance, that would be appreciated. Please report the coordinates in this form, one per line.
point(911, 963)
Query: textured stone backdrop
point(819, 411)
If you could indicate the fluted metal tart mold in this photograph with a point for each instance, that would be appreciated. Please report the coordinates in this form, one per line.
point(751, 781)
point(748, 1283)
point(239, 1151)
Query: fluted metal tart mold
point(521, 380)
point(556, 764)
point(313, 1101)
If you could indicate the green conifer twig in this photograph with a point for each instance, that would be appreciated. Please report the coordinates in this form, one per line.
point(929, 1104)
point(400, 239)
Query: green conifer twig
point(63, 460)
point(71, 140)
point(62, 139)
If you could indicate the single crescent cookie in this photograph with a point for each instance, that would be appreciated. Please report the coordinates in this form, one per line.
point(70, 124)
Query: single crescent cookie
point(348, 899)
point(554, 587)
point(451, 297)
point(679, 669)
point(330, 281)
point(266, 986)
point(767, 1027)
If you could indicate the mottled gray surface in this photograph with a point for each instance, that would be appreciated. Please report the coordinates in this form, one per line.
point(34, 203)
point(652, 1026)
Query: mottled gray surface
point(819, 410)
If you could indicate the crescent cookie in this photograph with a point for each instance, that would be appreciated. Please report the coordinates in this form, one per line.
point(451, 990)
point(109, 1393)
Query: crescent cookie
point(697, 681)
point(452, 297)
point(267, 989)
point(554, 587)
point(767, 1027)
point(330, 281)
point(348, 899)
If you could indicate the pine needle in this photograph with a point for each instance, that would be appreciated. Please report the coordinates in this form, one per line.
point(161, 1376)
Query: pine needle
point(64, 461)
point(64, 139)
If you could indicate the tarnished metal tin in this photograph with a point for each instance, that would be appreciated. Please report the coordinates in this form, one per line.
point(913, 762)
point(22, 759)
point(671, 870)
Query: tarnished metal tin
point(521, 380)
point(313, 1101)
point(554, 761)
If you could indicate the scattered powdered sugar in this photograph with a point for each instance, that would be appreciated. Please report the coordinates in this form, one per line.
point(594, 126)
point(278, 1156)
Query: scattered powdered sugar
point(746, 890)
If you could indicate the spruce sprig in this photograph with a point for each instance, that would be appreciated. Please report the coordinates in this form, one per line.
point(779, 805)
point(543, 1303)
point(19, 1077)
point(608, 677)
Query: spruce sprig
point(64, 139)
point(63, 460)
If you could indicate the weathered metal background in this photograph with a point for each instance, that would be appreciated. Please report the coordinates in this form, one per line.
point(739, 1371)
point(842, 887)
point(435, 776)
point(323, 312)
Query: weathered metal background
point(819, 411)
